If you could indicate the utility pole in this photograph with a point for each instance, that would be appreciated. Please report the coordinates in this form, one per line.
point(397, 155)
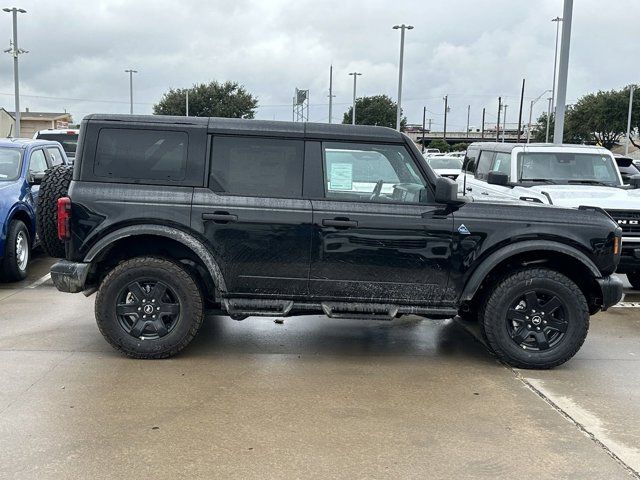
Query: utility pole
point(482, 134)
point(353, 116)
point(498, 122)
point(430, 120)
point(555, 62)
point(520, 114)
point(14, 50)
point(563, 71)
point(187, 103)
point(626, 147)
point(446, 110)
point(331, 95)
point(504, 122)
point(468, 114)
point(546, 137)
point(402, 28)
point(424, 118)
point(131, 72)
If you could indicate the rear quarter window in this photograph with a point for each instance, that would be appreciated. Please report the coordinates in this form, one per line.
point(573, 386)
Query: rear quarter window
point(141, 154)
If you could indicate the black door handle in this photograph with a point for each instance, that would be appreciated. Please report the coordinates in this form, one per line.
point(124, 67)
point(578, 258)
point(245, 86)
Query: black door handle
point(339, 223)
point(469, 189)
point(220, 217)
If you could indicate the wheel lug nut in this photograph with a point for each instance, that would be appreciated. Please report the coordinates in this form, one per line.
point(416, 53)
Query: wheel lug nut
point(143, 300)
point(527, 317)
point(544, 321)
point(528, 326)
point(144, 316)
point(537, 328)
point(153, 301)
point(155, 317)
point(158, 308)
point(139, 308)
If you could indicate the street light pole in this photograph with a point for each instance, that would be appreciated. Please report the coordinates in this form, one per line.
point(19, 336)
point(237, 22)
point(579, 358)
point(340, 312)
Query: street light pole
point(14, 50)
point(626, 147)
point(131, 72)
point(186, 103)
point(546, 137)
point(424, 120)
point(446, 110)
point(353, 111)
point(402, 28)
point(563, 71)
point(533, 102)
point(555, 61)
point(331, 93)
point(468, 114)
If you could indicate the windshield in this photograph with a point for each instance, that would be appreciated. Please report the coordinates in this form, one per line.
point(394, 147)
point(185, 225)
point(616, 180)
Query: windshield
point(445, 163)
point(69, 141)
point(564, 167)
point(9, 163)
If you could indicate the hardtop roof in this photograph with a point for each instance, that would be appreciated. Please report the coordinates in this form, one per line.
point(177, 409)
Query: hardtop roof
point(25, 142)
point(508, 147)
point(264, 127)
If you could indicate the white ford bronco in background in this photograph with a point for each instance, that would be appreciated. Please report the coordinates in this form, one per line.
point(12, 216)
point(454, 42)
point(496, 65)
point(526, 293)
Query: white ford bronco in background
point(563, 175)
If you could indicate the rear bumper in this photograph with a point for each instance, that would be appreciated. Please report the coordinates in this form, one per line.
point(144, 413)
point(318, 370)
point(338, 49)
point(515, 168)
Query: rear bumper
point(611, 288)
point(69, 276)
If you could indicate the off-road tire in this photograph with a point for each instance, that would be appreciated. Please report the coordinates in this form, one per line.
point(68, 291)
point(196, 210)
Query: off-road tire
point(9, 266)
point(172, 274)
point(634, 279)
point(513, 286)
point(55, 184)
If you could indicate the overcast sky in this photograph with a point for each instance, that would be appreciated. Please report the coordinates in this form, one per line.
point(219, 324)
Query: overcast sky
point(471, 50)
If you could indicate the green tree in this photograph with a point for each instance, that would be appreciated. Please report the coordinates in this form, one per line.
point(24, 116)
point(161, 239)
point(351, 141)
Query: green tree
point(375, 110)
point(459, 147)
point(228, 99)
point(440, 143)
point(572, 133)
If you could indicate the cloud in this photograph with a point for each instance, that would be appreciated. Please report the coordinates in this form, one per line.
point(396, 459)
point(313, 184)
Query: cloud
point(472, 51)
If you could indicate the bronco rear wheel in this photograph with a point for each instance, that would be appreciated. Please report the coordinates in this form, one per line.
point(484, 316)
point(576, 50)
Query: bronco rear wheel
point(55, 184)
point(149, 307)
point(536, 318)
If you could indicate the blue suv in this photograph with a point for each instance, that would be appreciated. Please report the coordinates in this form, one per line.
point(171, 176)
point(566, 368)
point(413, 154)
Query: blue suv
point(22, 166)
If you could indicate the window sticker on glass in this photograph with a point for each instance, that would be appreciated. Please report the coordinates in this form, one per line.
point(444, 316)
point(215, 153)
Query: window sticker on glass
point(341, 176)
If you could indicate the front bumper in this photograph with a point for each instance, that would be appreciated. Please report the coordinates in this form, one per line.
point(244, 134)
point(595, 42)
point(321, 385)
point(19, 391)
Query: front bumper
point(70, 277)
point(611, 288)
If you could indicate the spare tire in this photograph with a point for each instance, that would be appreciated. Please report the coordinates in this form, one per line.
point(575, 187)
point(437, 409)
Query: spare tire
point(55, 184)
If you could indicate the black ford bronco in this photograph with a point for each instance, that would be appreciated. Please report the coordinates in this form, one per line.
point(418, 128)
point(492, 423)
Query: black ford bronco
point(168, 218)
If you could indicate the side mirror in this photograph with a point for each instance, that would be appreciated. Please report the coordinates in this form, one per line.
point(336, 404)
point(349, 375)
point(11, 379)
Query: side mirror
point(498, 178)
point(446, 190)
point(36, 178)
point(634, 181)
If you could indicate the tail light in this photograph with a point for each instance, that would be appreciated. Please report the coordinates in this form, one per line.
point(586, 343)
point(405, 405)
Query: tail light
point(64, 218)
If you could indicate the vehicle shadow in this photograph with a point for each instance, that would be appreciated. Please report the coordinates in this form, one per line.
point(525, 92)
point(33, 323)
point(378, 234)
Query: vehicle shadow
point(320, 335)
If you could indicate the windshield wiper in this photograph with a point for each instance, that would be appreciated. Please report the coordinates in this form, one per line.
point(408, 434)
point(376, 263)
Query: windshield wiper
point(542, 180)
point(590, 182)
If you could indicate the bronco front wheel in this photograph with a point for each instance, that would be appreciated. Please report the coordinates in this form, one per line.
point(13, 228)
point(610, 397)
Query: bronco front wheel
point(149, 307)
point(536, 318)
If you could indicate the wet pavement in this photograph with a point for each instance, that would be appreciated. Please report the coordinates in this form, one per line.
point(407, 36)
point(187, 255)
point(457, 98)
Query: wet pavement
point(312, 398)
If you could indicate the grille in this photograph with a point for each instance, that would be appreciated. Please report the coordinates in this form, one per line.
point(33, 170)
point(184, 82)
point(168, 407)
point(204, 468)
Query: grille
point(629, 221)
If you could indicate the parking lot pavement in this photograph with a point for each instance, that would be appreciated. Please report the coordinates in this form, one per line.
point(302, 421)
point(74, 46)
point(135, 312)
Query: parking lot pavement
point(313, 398)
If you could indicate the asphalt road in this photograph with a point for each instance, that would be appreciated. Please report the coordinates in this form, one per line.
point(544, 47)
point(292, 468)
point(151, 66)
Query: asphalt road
point(312, 398)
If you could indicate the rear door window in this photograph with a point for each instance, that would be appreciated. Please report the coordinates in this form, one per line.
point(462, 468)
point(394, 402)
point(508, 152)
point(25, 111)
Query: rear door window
point(257, 167)
point(141, 154)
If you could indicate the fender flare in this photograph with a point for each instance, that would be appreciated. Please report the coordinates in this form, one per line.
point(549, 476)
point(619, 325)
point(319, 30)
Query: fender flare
point(20, 207)
point(488, 264)
point(186, 239)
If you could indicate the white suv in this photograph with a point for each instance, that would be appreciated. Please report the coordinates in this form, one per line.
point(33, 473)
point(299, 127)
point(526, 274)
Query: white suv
point(563, 175)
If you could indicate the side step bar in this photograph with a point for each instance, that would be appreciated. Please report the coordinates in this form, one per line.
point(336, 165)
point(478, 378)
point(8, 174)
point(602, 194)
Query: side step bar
point(240, 308)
